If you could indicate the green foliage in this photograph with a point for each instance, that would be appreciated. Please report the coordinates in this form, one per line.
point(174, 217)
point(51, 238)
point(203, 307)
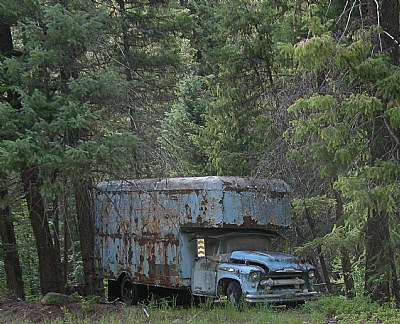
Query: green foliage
point(27, 251)
point(180, 128)
point(52, 108)
point(149, 45)
point(316, 205)
point(347, 129)
point(89, 300)
point(318, 129)
point(75, 297)
point(358, 309)
point(330, 240)
point(324, 309)
point(75, 259)
point(219, 314)
point(238, 60)
point(3, 283)
point(57, 94)
point(234, 143)
point(92, 88)
point(314, 53)
point(372, 187)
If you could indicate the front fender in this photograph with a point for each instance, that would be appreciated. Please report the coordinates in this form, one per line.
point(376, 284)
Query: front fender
point(240, 273)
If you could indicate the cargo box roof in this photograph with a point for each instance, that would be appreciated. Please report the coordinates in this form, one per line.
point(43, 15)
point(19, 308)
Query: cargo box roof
point(196, 183)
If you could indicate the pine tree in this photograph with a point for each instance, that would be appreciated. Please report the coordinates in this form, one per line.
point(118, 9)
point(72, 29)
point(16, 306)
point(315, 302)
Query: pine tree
point(55, 128)
point(348, 128)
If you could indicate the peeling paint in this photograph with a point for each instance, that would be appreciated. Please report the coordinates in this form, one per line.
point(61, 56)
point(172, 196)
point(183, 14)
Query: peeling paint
point(139, 223)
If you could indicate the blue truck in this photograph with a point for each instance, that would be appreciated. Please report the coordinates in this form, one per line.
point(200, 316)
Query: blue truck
point(205, 236)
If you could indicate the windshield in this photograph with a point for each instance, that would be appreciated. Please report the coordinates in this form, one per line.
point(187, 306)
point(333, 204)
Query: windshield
point(248, 242)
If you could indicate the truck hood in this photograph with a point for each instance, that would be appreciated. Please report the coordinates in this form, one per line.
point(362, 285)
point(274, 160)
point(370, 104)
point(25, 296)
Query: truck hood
point(275, 261)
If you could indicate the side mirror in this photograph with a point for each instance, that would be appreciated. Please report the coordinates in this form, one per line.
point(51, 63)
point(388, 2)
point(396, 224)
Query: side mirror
point(201, 248)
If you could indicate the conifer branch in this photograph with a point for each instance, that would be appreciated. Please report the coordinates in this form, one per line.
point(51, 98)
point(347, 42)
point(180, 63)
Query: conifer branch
point(348, 20)
point(391, 132)
point(379, 24)
point(390, 36)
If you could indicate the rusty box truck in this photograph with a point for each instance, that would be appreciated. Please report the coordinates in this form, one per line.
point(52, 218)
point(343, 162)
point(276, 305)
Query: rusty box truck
point(208, 236)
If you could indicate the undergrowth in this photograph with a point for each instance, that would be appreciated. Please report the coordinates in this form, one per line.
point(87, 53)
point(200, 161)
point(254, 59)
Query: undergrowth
point(356, 310)
point(204, 314)
point(324, 310)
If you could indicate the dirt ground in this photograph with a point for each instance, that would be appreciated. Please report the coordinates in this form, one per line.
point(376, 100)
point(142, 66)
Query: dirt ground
point(36, 312)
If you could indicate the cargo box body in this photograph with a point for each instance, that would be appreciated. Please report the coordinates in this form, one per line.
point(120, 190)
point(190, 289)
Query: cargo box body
point(145, 227)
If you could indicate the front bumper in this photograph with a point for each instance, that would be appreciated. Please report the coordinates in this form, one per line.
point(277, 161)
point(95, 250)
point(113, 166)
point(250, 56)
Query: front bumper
point(280, 298)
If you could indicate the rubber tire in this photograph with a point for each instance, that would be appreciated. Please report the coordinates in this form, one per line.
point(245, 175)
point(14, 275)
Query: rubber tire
point(234, 293)
point(128, 291)
point(113, 290)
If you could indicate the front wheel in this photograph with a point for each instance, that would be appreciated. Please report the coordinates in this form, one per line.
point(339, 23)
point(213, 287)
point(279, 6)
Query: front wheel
point(129, 291)
point(234, 293)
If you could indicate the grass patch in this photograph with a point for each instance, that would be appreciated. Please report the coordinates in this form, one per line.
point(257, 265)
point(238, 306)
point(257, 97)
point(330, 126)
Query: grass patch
point(214, 314)
point(356, 310)
point(337, 309)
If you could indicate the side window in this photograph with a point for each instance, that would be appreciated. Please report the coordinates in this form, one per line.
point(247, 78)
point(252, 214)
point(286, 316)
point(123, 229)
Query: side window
point(211, 246)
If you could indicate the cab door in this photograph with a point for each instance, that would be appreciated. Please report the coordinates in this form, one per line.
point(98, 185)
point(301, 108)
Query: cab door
point(204, 270)
point(204, 278)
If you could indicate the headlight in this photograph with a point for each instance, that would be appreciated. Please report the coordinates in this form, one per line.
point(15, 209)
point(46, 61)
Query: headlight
point(311, 274)
point(254, 275)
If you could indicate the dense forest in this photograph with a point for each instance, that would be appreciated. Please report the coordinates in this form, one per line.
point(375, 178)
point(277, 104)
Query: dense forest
point(305, 91)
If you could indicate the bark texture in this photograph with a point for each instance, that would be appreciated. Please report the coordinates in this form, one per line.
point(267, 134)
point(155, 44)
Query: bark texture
point(84, 210)
point(381, 282)
point(344, 253)
point(49, 270)
point(12, 266)
point(324, 268)
point(377, 256)
point(390, 26)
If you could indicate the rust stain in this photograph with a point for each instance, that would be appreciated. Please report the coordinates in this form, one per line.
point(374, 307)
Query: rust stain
point(248, 221)
point(139, 227)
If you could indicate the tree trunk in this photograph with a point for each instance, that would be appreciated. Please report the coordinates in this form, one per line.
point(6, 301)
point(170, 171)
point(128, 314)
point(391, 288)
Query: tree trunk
point(390, 25)
point(56, 235)
point(50, 274)
point(377, 259)
point(395, 286)
point(66, 242)
point(6, 44)
point(82, 189)
point(391, 42)
point(321, 257)
point(346, 271)
point(12, 266)
point(325, 272)
point(380, 274)
point(129, 77)
point(344, 253)
point(84, 210)
point(85, 221)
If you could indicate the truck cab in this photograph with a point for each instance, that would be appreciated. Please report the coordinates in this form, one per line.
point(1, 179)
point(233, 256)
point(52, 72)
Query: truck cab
point(245, 266)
